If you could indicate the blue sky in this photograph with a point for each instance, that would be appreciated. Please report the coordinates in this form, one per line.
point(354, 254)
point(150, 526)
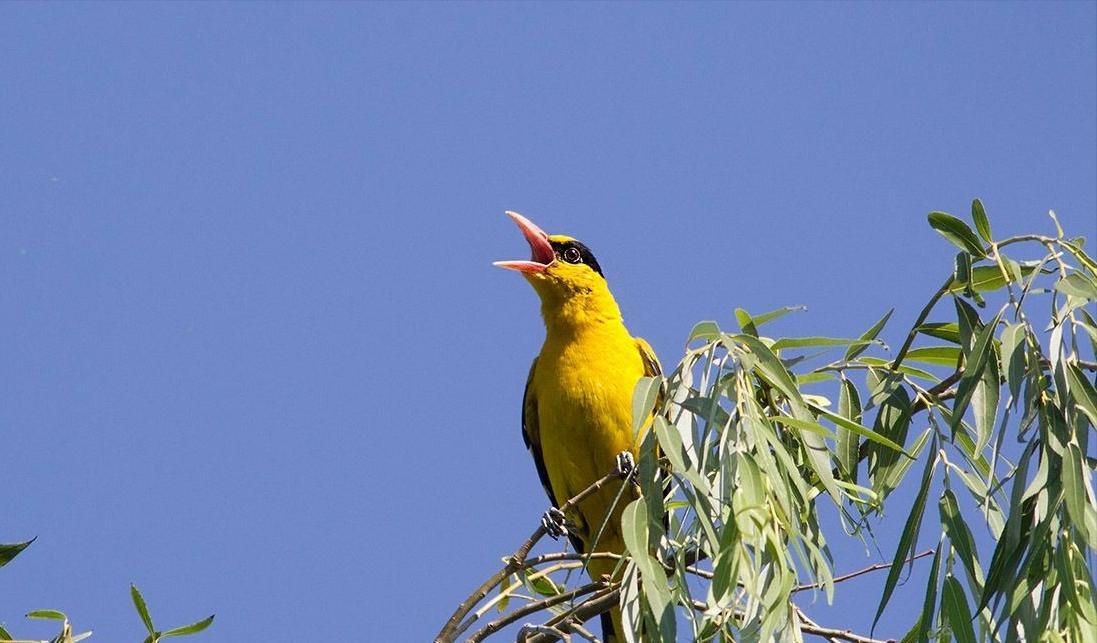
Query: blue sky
point(256, 358)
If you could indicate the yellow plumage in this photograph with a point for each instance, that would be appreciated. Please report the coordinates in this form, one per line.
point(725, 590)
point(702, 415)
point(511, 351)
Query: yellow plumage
point(577, 411)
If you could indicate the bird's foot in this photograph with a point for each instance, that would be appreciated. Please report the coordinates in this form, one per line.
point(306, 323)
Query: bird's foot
point(553, 522)
point(626, 464)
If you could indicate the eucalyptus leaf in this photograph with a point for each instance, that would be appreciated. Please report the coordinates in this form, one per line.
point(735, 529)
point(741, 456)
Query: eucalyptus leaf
point(957, 232)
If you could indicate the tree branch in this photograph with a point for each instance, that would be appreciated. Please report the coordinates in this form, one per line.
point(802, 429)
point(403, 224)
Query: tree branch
point(811, 627)
point(866, 570)
point(454, 626)
point(533, 607)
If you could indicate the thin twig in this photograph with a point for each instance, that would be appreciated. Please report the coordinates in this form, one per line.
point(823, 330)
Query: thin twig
point(866, 570)
point(581, 613)
point(533, 607)
point(454, 626)
point(811, 627)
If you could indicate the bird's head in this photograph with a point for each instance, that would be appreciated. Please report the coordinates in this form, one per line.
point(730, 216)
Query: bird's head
point(561, 269)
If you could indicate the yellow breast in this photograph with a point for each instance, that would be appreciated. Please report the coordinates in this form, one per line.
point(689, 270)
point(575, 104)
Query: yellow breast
point(584, 384)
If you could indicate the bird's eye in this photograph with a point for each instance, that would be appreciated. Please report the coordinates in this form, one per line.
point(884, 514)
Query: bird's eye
point(572, 255)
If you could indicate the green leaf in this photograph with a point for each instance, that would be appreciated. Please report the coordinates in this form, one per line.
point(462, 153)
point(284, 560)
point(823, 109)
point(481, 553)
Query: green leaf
point(643, 401)
point(706, 330)
point(985, 279)
point(956, 611)
point(957, 232)
point(634, 524)
point(982, 224)
point(925, 622)
point(960, 537)
point(53, 615)
point(804, 425)
point(746, 322)
point(1083, 392)
point(10, 551)
point(4, 635)
point(909, 538)
point(1076, 490)
point(862, 431)
point(849, 407)
point(868, 336)
point(985, 401)
point(142, 608)
point(973, 371)
point(801, 342)
point(193, 628)
point(1078, 285)
point(937, 355)
point(950, 332)
point(542, 585)
point(1013, 357)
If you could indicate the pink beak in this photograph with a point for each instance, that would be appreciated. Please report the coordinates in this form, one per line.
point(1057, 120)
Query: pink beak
point(538, 240)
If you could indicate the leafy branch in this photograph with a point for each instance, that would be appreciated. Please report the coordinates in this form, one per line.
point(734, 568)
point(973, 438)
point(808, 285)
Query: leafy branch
point(755, 435)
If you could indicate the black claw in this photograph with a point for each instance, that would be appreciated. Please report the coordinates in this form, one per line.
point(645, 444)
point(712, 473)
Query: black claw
point(553, 522)
point(626, 464)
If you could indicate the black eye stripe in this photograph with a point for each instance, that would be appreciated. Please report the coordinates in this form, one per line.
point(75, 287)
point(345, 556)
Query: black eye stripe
point(562, 249)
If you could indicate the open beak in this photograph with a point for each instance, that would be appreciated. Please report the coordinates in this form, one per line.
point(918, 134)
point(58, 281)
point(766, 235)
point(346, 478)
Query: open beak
point(542, 252)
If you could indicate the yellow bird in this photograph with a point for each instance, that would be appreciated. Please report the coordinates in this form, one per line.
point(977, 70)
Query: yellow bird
point(577, 411)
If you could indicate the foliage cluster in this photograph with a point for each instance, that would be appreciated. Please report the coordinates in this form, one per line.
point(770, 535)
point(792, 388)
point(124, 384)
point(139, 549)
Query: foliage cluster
point(989, 406)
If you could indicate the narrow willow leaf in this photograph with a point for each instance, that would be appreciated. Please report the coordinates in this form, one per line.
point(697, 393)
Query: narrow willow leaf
point(1077, 491)
point(707, 409)
point(746, 322)
point(542, 585)
point(973, 371)
point(960, 537)
point(1001, 573)
point(771, 368)
point(862, 431)
point(925, 622)
point(849, 407)
point(868, 336)
point(955, 608)
point(765, 318)
point(982, 224)
point(937, 355)
point(643, 401)
point(1082, 392)
point(53, 615)
point(967, 321)
point(1012, 349)
point(801, 342)
point(10, 551)
point(814, 378)
point(804, 425)
point(961, 276)
point(634, 523)
point(706, 330)
point(985, 279)
point(142, 608)
point(909, 538)
point(1078, 285)
point(985, 401)
point(957, 232)
point(193, 628)
point(671, 443)
point(949, 332)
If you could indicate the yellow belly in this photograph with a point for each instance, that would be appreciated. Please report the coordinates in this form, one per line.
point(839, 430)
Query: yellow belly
point(584, 390)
